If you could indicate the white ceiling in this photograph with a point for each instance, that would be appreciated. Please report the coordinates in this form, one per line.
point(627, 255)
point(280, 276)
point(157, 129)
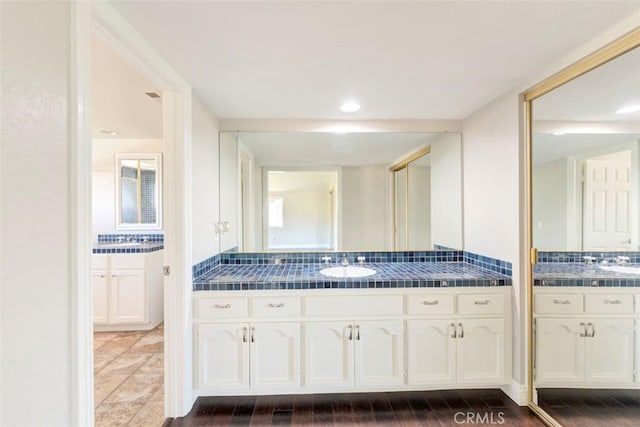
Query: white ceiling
point(302, 181)
point(119, 100)
point(330, 149)
point(596, 95)
point(400, 60)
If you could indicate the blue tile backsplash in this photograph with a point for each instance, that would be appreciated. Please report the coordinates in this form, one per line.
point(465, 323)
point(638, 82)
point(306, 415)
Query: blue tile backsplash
point(570, 269)
point(113, 238)
point(300, 270)
point(577, 256)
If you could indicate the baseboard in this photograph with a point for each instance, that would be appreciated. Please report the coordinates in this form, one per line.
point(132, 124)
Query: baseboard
point(517, 392)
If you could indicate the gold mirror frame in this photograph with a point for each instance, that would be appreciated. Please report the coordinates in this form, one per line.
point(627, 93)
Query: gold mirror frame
point(611, 51)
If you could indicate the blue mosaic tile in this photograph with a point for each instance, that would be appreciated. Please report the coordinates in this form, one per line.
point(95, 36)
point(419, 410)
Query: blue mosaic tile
point(113, 238)
point(581, 274)
point(389, 275)
point(144, 248)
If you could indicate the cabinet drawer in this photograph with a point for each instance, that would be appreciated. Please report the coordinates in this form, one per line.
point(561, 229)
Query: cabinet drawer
point(608, 303)
point(222, 308)
point(352, 306)
point(558, 303)
point(430, 304)
point(481, 304)
point(127, 261)
point(100, 262)
point(275, 307)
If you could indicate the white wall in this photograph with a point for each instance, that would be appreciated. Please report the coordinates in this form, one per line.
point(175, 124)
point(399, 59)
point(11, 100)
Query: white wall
point(35, 228)
point(103, 183)
point(205, 180)
point(550, 206)
point(446, 190)
point(365, 208)
point(307, 221)
point(492, 219)
point(419, 208)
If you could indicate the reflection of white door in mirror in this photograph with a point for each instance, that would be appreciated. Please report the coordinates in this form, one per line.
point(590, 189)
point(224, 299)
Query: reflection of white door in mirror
point(607, 208)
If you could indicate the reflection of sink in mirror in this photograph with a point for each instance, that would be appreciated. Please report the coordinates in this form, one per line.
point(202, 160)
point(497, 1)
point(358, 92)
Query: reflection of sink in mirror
point(348, 271)
point(621, 269)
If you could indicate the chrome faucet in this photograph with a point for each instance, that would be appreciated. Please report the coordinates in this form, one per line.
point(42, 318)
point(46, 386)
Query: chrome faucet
point(345, 261)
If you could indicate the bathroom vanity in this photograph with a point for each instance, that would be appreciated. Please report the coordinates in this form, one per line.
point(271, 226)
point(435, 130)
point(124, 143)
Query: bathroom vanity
point(276, 329)
point(586, 321)
point(127, 286)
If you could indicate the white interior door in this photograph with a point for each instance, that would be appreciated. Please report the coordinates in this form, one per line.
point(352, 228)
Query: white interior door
point(607, 204)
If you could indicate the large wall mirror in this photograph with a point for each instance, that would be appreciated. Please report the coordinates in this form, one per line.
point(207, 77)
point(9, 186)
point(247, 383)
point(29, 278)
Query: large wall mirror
point(317, 191)
point(585, 224)
point(138, 191)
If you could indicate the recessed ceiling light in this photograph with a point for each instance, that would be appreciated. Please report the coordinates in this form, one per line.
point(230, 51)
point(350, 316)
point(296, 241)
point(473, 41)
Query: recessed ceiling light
point(559, 132)
point(629, 109)
point(349, 107)
point(109, 132)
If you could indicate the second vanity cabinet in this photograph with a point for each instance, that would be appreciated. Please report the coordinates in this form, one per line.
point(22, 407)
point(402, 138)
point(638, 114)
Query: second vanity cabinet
point(465, 347)
point(350, 340)
point(585, 337)
point(127, 291)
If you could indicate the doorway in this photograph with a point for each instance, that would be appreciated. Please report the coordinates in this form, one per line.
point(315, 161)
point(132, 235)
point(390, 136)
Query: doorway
point(127, 282)
point(101, 18)
point(301, 210)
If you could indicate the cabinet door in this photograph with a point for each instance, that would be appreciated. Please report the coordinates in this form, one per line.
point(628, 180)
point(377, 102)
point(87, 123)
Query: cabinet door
point(431, 352)
point(100, 284)
point(127, 297)
point(480, 351)
point(328, 356)
point(223, 356)
point(609, 351)
point(559, 351)
point(275, 355)
point(379, 353)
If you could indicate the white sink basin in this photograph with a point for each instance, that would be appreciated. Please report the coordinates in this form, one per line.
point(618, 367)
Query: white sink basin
point(621, 269)
point(348, 271)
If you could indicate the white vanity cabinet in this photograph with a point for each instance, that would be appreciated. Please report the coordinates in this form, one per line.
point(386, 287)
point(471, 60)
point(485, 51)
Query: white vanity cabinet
point(237, 352)
point(584, 337)
point(127, 291)
point(466, 347)
point(237, 356)
point(364, 353)
point(315, 341)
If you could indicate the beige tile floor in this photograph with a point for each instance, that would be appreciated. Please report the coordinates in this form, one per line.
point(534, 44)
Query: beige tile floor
point(128, 377)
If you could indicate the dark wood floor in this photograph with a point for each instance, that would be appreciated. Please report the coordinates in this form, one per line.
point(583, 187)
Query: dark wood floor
point(592, 408)
point(433, 408)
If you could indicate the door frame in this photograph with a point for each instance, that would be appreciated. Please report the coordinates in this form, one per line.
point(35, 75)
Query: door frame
point(101, 17)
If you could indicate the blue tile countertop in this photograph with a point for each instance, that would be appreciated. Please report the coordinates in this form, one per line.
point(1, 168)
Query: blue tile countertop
point(242, 277)
point(126, 248)
point(582, 274)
